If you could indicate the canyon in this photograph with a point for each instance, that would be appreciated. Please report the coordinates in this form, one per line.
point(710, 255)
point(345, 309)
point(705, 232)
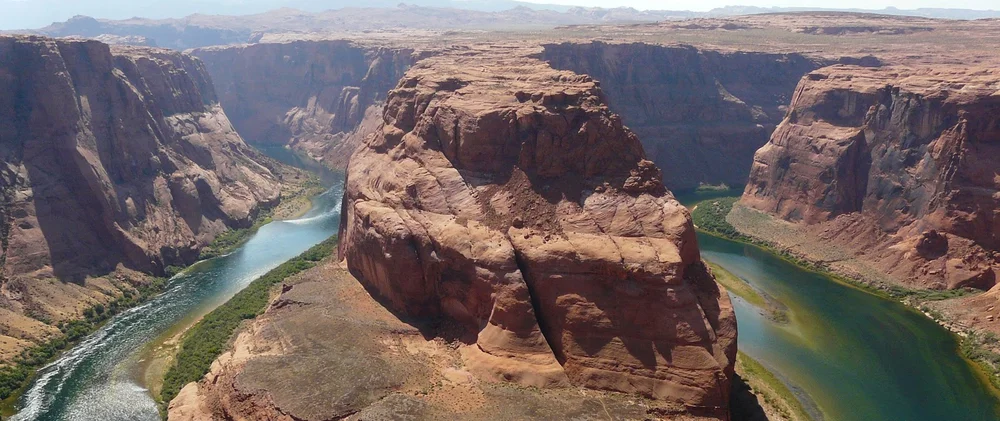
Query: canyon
point(508, 233)
point(700, 113)
point(436, 237)
point(521, 215)
point(322, 98)
point(117, 163)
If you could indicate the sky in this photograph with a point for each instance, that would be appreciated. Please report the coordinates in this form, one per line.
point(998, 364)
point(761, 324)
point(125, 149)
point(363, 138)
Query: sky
point(17, 14)
point(704, 5)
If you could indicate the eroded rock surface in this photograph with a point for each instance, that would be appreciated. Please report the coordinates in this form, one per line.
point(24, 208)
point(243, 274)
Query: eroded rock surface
point(109, 158)
point(319, 97)
point(326, 349)
point(701, 114)
point(503, 195)
point(897, 164)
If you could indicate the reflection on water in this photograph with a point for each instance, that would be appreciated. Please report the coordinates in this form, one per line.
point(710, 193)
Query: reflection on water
point(95, 380)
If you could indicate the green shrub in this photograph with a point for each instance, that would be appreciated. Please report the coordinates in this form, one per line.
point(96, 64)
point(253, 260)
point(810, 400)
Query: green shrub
point(171, 271)
point(207, 339)
point(15, 375)
point(231, 239)
point(710, 216)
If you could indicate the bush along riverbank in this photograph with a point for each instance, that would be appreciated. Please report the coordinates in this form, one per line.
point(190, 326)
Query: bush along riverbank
point(208, 338)
point(18, 372)
point(16, 375)
point(709, 217)
point(229, 240)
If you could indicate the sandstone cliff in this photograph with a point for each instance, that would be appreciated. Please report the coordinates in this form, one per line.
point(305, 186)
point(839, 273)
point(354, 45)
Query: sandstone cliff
point(111, 158)
point(320, 97)
point(503, 196)
point(897, 165)
point(700, 113)
point(325, 336)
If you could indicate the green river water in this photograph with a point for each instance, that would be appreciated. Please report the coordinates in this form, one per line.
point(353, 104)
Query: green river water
point(850, 355)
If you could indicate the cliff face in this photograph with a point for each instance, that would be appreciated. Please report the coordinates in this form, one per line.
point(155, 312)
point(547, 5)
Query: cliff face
point(505, 197)
point(314, 96)
point(701, 114)
point(111, 158)
point(900, 163)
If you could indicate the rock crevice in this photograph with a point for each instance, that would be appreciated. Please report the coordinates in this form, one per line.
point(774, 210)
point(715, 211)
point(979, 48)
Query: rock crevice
point(557, 246)
point(890, 160)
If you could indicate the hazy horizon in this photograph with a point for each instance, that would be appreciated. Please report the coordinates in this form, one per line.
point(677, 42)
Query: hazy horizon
point(33, 14)
point(706, 5)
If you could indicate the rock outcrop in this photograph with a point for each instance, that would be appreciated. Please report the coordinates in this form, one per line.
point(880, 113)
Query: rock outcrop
point(897, 164)
point(502, 196)
point(325, 335)
point(111, 158)
point(700, 113)
point(319, 97)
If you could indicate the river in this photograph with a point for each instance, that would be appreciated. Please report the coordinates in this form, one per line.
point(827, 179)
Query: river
point(100, 379)
point(852, 355)
point(849, 354)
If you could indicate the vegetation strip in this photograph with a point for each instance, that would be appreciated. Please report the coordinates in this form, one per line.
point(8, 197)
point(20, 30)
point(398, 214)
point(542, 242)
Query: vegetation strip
point(710, 217)
point(231, 239)
point(208, 338)
point(775, 393)
point(14, 376)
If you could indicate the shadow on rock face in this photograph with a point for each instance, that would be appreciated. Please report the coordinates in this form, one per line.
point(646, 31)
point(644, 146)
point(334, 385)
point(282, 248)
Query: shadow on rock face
point(743, 404)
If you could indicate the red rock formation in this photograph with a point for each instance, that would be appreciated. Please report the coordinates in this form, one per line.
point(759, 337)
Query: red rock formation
point(321, 97)
point(503, 195)
point(111, 157)
point(702, 114)
point(901, 161)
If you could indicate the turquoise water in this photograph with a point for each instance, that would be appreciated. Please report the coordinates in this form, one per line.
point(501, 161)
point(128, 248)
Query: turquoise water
point(852, 355)
point(96, 380)
point(857, 356)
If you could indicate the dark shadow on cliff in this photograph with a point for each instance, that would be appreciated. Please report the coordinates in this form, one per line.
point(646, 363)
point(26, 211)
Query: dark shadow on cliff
point(743, 404)
point(430, 327)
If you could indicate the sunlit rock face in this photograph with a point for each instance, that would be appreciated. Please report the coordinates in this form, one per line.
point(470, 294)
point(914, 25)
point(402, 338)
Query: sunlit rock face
point(900, 164)
point(111, 156)
point(504, 196)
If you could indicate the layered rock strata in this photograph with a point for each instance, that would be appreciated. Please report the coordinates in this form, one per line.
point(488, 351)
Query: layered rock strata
point(319, 97)
point(897, 165)
point(701, 114)
point(324, 335)
point(111, 159)
point(502, 196)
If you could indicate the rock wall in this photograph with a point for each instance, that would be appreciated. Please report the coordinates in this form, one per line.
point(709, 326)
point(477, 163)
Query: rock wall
point(320, 97)
point(900, 164)
point(110, 158)
point(701, 114)
point(504, 197)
